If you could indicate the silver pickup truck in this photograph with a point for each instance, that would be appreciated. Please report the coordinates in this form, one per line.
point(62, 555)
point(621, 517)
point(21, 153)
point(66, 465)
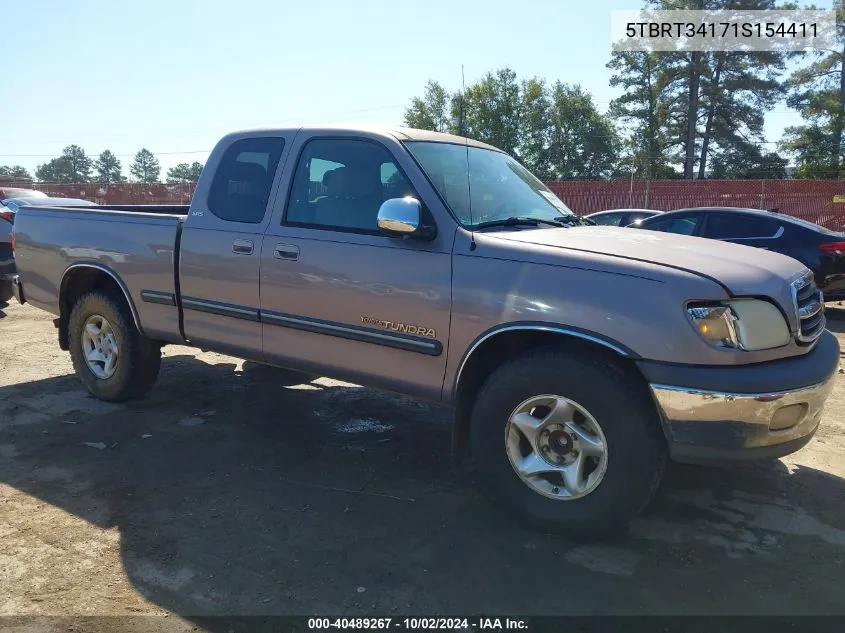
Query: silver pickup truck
point(578, 358)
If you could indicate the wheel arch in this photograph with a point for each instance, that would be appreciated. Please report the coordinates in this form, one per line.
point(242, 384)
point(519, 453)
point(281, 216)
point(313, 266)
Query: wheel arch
point(83, 277)
point(501, 343)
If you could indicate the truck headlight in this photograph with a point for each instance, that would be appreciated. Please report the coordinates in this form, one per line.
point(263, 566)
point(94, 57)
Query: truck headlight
point(746, 324)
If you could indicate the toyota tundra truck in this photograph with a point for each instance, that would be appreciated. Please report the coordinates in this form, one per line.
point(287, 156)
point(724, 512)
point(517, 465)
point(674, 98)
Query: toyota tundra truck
point(578, 359)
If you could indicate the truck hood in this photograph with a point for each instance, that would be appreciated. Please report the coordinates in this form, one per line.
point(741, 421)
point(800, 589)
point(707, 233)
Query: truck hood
point(743, 270)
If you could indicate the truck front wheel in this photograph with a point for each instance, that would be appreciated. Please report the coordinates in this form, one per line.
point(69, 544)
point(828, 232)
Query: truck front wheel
point(569, 441)
point(112, 359)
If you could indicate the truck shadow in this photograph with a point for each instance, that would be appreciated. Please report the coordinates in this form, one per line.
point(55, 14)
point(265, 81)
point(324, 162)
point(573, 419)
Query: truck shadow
point(3, 304)
point(835, 316)
point(237, 492)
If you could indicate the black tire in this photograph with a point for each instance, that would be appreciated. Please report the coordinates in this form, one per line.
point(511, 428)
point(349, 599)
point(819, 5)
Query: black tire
point(139, 360)
point(6, 291)
point(619, 402)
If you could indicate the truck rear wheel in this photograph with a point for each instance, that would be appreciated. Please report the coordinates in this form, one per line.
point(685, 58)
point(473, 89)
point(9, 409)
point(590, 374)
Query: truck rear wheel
point(112, 359)
point(569, 441)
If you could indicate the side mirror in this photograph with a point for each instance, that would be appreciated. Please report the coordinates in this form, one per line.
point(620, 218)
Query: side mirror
point(402, 217)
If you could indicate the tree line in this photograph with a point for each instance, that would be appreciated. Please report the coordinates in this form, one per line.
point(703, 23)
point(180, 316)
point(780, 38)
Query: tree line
point(680, 114)
point(75, 166)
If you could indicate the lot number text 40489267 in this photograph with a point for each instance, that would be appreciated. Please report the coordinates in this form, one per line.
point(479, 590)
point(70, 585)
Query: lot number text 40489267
point(419, 623)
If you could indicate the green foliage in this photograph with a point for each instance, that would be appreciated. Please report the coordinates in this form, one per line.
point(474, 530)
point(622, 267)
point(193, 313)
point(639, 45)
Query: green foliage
point(108, 169)
point(535, 129)
point(145, 167)
point(746, 161)
point(681, 108)
point(644, 108)
point(14, 173)
point(431, 112)
point(73, 166)
point(556, 131)
point(492, 109)
point(184, 172)
point(817, 91)
point(583, 143)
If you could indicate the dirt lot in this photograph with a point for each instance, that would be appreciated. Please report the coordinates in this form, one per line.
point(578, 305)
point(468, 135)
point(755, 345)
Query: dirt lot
point(225, 492)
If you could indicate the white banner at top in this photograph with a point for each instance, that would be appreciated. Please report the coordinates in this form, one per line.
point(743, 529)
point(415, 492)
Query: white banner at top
point(723, 30)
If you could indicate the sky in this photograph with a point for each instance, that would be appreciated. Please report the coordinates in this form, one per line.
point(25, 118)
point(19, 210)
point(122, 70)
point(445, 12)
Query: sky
point(175, 75)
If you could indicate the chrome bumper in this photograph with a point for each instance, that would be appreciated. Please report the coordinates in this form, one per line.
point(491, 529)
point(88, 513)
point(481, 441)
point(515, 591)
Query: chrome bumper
point(711, 426)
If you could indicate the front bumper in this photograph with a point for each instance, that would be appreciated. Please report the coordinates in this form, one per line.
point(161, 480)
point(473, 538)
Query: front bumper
point(722, 420)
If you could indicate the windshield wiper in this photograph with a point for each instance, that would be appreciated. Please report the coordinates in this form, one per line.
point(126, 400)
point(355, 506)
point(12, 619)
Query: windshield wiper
point(520, 221)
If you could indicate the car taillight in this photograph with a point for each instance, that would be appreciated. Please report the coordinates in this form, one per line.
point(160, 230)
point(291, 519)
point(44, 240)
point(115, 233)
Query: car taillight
point(7, 215)
point(832, 247)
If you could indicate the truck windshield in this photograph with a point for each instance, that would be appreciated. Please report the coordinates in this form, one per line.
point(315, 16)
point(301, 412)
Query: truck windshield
point(482, 185)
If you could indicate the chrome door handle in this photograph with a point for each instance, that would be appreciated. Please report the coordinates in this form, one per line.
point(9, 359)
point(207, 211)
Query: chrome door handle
point(242, 247)
point(286, 251)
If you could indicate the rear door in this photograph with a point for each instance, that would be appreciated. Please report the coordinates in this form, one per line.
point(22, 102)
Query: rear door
point(221, 244)
point(749, 229)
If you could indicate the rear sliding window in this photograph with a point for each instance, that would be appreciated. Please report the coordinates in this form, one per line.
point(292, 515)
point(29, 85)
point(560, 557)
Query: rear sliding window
point(243, 180)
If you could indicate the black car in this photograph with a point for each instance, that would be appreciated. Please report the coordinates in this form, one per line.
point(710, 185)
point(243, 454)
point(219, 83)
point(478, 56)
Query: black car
point(621, 217)
point(819, 249)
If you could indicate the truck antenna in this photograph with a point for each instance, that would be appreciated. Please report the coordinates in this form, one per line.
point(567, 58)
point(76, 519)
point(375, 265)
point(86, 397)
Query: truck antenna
point(466, 145)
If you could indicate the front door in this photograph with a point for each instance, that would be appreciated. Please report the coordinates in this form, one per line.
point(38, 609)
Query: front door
point(340, 298)
point(749, 229)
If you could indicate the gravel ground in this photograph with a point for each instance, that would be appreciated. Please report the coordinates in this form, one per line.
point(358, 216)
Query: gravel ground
point(228, 492)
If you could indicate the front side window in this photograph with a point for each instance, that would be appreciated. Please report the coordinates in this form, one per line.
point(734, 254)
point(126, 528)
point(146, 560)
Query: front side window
point(726, 226)
point(339, 184)
point(243, 180)
point(483, 185)
point(683, 226)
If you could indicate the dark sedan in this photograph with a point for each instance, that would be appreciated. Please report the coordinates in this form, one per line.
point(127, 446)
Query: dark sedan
point(818, 248)
point(621, 217)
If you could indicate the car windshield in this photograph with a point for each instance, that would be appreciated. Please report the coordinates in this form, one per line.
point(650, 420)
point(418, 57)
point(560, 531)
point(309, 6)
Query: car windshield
point(483, 185)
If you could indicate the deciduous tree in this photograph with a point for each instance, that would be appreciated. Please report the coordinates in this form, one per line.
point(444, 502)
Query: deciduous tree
point(73, 166)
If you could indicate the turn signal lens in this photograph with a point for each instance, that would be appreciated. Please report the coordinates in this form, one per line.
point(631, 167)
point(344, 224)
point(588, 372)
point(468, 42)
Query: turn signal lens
point(715, 324)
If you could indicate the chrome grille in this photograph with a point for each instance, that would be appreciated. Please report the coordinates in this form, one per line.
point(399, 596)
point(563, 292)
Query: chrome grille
point(809, 308)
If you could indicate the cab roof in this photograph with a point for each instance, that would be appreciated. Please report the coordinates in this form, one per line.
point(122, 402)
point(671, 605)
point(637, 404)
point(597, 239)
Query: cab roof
point(397, 132)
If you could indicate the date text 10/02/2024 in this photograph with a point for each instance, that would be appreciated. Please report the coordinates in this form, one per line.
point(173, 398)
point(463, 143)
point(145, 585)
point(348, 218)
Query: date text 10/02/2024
point(419, 623)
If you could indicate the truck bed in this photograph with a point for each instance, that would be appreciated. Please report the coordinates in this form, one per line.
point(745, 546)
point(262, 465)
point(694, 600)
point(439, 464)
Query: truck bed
point(177, 210)
point(136, 244)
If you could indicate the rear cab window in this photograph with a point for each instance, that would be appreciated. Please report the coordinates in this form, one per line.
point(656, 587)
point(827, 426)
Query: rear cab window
point(244, 178)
